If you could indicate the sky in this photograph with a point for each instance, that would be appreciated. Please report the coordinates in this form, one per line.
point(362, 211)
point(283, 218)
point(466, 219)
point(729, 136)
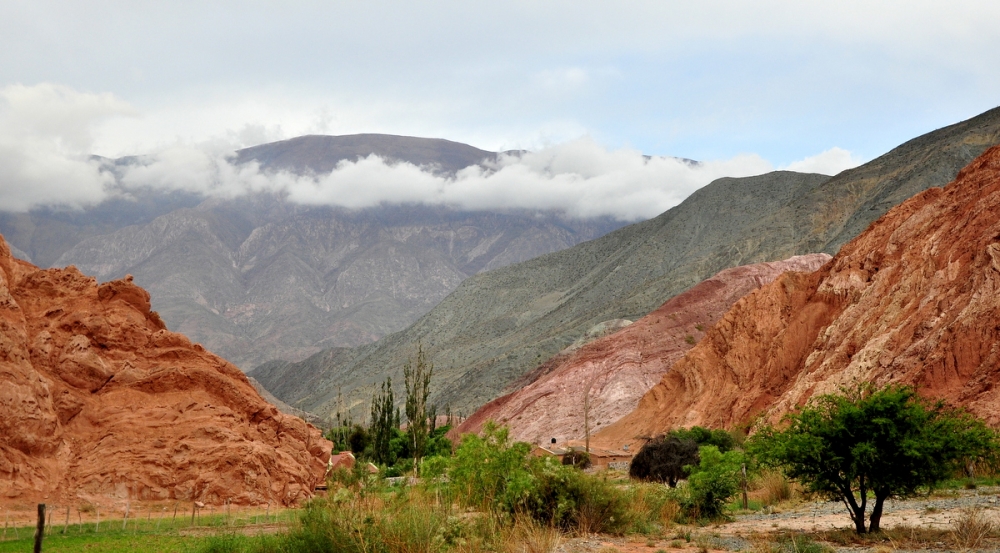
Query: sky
point(588, 87)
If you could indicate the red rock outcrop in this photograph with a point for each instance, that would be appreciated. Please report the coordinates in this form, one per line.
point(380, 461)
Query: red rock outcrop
point(619, 368)
point(99, 400)
point(915, 299)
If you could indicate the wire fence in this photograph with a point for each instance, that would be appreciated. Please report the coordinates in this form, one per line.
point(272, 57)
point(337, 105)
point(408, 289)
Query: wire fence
point(142, 518)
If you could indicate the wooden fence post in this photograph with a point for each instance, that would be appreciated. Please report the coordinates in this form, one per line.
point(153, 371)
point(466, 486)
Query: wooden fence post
point(66, 524)
point(40, 528)
point(128, 506)
point(97, 527)
point(746, 504)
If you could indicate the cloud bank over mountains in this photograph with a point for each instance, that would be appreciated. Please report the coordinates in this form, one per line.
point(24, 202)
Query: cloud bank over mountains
point(47, 132)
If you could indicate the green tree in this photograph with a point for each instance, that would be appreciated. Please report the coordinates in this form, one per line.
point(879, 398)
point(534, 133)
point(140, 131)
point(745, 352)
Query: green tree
point(704, 436)
point(887, 442)
point(417, 379)
point(384, 422)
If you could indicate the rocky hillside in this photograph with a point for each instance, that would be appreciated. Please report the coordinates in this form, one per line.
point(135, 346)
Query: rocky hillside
point(616, 370)
point(98, 400)
point(258, 278)
point(498, 326)
point(915, 299)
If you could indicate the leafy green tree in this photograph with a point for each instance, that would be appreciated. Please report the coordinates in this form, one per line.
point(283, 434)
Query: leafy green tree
point(384, 423)
point(417, 380)
point(704, 436)
point(887, 442)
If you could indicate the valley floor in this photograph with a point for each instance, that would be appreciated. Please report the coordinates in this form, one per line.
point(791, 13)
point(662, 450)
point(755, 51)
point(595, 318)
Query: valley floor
point(922, 525)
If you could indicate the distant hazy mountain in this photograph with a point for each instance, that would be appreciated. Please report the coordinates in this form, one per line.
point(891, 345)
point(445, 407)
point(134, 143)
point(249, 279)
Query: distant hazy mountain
point(500, 324)
point(258, 278)
point(321, 154)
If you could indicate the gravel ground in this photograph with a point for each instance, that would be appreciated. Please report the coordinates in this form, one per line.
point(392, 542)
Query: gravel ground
point(937, 512)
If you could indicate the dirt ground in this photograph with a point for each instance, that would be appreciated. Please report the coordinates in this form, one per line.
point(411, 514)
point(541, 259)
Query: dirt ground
point(935, 515)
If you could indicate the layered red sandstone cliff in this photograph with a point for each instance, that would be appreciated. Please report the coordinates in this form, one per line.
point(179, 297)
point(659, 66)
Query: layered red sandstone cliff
point(914, 299)
point(618, 369)
point(99, 400)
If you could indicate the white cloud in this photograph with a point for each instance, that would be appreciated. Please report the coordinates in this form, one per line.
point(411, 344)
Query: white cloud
point(579, 177)
point(830, 162)
point(46, 133)
point(45, 138)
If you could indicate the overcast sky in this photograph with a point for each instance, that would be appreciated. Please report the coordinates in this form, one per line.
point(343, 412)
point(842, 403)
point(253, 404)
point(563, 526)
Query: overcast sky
point(746, 86)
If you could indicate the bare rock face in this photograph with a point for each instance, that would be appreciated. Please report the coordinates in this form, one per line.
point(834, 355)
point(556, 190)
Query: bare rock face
point(619, 368)
point(915, 299)
point(98, 399)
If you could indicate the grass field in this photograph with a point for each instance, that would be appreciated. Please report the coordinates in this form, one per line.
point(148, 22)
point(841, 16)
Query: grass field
point(147, 534)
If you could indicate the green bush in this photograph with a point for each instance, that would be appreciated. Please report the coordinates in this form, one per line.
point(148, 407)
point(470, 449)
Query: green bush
point(572, 500)
point(712, 483)
point(490, 472)
point(577, 459)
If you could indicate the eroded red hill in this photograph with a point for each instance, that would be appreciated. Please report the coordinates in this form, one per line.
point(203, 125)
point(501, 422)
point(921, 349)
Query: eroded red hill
point(618, 369)
point(914, 299)
point(98, 399)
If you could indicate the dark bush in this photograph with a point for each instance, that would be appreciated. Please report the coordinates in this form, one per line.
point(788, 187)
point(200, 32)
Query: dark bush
point(578, 459)
point(664, 459)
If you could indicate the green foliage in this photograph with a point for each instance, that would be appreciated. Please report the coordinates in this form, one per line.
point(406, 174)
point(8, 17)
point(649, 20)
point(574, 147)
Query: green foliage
point(721, 439)
point(417, 380)
point(577, 459)
point(434, 466)
point(438, 444)
point(490, 471)
point(664, 460)
point(572, 500)
point(712, 483)
point(384, 426)
point(888, 442)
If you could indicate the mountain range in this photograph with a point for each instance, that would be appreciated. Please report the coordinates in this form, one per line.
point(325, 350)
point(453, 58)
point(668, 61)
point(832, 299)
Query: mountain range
point(499, 325)
point(257, 277)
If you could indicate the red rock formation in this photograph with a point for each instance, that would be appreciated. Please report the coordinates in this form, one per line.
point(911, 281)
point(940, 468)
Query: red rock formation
point(619, 368)
point(98, 399)
point(914, 299)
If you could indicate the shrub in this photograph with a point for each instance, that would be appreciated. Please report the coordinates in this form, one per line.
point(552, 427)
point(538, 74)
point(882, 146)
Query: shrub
point(489, 471)
point(569, 499)
point(578, 459)
point(715, 480)
point(971, 528)
point(664, 460)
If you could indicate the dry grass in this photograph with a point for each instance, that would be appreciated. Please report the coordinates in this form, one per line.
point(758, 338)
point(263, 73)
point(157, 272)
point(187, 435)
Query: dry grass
point(972, 528)
point(772, 487)
point(527, 536)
